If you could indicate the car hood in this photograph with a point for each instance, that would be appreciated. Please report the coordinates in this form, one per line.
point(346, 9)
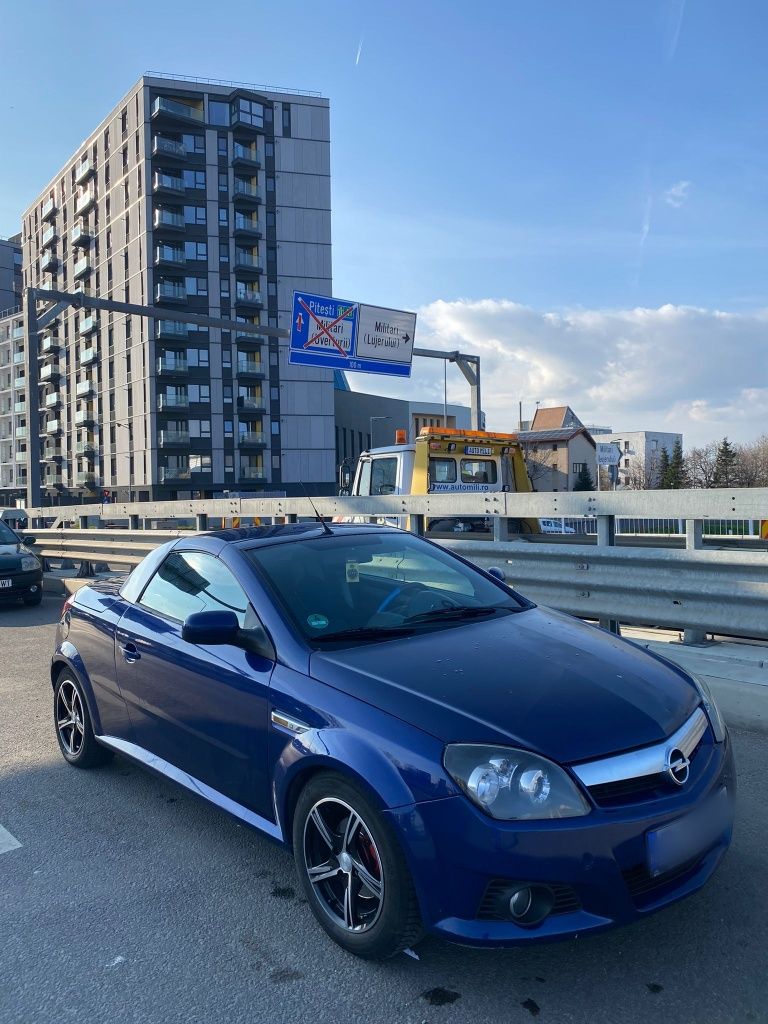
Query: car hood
point(538, 678)
point(10, 557)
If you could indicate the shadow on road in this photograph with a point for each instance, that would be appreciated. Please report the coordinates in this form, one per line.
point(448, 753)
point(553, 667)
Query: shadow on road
point(44, 614)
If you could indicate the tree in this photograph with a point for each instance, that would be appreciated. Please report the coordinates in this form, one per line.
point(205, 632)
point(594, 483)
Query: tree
point(676, 476)
point(663, 480)
point(584, 480)
point(700, 465)
point(726, 464)
point(540, 464)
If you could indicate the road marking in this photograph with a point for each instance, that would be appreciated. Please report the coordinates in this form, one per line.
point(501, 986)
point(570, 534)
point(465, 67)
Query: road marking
point(7, 841)
point(116, 961)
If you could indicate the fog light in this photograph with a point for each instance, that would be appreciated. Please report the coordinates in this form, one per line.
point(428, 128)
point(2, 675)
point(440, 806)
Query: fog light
point(33, 590)
point(530, 904)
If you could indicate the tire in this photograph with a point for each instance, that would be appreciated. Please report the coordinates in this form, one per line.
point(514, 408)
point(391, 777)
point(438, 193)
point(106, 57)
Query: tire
point(30, 602)
point(376, 926)
point(74, 732)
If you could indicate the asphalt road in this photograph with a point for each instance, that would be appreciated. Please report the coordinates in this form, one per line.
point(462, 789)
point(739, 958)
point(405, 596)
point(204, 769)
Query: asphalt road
point(130, 900)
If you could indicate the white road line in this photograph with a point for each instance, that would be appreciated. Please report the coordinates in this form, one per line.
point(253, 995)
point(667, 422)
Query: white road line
point(7, 841)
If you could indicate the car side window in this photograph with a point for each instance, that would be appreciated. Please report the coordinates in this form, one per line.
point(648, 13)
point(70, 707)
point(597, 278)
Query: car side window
point(193, 581)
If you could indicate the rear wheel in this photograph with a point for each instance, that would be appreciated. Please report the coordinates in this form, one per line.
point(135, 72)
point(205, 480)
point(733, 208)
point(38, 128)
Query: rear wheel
point(73, 724)
point(33, 599)
point(353, 871)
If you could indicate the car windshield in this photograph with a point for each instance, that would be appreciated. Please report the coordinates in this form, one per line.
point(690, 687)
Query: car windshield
point(7, 536)
point(365, 587)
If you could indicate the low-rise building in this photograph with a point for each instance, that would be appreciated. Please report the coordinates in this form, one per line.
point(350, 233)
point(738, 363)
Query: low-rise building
point(640, 454)
point(557, 448)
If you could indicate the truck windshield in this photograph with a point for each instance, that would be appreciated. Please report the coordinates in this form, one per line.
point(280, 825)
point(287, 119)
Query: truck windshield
point(359, 587)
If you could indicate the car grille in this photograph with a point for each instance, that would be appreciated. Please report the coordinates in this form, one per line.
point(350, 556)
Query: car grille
point(649, 787)
point(492, 904)
point(643, 886)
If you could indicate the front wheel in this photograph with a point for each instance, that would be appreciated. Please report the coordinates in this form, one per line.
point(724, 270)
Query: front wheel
point(353, 871)
point(34, 599)
point(73, 724)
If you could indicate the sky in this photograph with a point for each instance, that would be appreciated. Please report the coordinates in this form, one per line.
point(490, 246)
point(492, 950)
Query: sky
point(573, 189)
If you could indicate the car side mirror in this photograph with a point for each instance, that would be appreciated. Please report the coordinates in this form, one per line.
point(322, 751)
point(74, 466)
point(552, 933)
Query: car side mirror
point(211, 628)
point(497, 573)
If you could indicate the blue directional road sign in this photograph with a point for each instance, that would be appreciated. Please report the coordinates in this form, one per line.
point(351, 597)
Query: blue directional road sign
point(344, 335)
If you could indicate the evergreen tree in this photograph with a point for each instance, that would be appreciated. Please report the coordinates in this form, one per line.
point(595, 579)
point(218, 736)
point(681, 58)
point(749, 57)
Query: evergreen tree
point(725, 464)
point(584, 481)
point(664, 480)
point(677, 476)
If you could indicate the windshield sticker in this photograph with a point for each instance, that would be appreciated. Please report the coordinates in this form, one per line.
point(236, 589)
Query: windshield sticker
point(353, 571)
point(317, 621)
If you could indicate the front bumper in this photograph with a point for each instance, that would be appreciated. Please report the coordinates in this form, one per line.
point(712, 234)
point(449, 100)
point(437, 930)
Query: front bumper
point(23, 585)
point(455, 852)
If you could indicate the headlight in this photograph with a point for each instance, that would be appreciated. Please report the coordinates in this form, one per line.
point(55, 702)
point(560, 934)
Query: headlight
point(29, 563)
point(512, 784)
point(711, 709)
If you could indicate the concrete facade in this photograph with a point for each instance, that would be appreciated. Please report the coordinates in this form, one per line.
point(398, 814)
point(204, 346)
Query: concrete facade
point(204, 197)
point(555, 457)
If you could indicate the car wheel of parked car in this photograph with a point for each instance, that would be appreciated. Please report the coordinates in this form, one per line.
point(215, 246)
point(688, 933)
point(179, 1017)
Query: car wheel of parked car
point(73, 725)
point(353, 871)
point(30, 602)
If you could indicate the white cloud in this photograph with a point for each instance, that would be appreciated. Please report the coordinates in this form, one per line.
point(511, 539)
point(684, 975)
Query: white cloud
point(672, 368)
point(677, 194)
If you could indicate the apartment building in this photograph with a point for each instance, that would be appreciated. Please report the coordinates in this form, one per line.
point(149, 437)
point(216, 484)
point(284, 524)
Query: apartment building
point(13, 411)
point(209, 198)
point(640, 454)
point(10, 273)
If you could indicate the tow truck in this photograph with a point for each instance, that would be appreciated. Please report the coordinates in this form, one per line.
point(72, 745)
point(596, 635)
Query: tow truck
point(448, 461)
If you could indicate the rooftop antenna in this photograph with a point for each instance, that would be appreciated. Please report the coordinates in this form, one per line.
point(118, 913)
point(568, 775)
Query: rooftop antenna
point(318, 517)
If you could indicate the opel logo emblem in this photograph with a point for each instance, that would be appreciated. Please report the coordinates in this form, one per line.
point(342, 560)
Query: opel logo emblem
point(677, 766)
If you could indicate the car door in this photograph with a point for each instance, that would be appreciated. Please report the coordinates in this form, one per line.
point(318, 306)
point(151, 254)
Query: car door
point(203, 709)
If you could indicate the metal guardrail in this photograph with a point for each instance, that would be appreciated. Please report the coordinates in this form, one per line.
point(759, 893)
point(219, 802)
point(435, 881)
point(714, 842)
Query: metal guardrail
point(118, 547)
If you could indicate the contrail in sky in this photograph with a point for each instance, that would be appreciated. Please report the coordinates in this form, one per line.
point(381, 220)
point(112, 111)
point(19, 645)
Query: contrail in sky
point(359, 51)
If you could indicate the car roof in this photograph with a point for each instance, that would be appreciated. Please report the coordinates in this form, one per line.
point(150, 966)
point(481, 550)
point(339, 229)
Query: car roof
point(255, 536)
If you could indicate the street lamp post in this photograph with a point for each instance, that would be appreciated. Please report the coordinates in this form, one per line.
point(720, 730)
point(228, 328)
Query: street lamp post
point(373, 420)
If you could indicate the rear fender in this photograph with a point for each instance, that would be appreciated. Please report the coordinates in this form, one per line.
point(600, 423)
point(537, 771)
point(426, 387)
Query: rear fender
point(67, 656)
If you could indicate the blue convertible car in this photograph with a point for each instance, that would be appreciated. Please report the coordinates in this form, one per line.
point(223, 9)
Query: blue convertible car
point(440, 754)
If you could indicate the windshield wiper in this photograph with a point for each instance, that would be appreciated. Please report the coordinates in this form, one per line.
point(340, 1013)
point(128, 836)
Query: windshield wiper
point(364, 633)
point(466, 611)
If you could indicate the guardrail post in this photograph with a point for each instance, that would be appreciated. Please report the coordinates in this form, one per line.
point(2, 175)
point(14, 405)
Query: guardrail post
point(292, 517)
point(83, 520)
point(201, 521)
point(416, 524)
point(500, 529)
point(694, 541)
point(133, 522)
point(606, 537)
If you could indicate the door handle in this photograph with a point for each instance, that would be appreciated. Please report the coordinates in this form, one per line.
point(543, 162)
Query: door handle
point(130, 652)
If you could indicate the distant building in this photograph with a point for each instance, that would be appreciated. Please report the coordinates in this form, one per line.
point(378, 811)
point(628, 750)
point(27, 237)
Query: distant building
point(10, 273)
point(640, 454)
point(557, 417)
point(13, 430)
point(557, 448)
point(369, 421)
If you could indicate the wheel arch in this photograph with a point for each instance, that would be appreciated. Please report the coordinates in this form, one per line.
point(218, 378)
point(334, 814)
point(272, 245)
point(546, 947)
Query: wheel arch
point(67, 658)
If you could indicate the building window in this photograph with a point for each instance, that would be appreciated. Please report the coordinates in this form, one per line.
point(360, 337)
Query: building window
point(578, 467)
point(229, 428)
point(224, 252)
point(626, 463)
point(196, 285)
point(124, 122)
point(222, 145)
point(193, 179)
point(194, 214)
point(287, 120)
point(193, 143)
point(270, 184)
point(223, 216)
point(196, 250)
point(275, 427)
point(223, 181)
point(248, 112)
point(218, 112)
point(224, 287)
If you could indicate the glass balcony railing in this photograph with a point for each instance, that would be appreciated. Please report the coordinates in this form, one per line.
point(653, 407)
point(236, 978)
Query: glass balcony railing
point(49, 344)
point(17, 332)
point(82, 267)
point(20, 407)
point(170, 254)
point(165, 218)
point(52, 400)
point(175, 108)
point(83, 388)
point(170, 474)
point(52, 427)
point(87, 480)
point(80, 234)
point(246, 190)
point(245, 153)
point(18, 357)
point(49, 372)
point(171, 290)
point(86, 447)
point(87, 324)
point(87, 355)
point(246, 366)
point(249, 296)
point(171, 437)
point(167, 183)
point(19, 383)
point(167, 364)
point(172, 400)
point(49, 261)
point(85, 201)
point(252, 473)
point(171, 329)
point(83, 170)
point(244, 224)
point(248, 438)
point(21, 433)
point(48, 236)
point(49, 208)
point(248, 261)
point(253, 403)
point(168, 147)
point(84, 416)
point(20, 457)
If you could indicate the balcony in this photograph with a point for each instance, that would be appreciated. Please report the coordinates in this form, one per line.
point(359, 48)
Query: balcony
point(171, 365)
point(85, 201)
point(170, 291)
point(246, 226)
point(250, 405)
point(247, 297)
point(48, 236)
point(164, 106)
point(80, 234)
point(83, 388)
point(52, 400)
point(173, 400)
point(80, 288)
point(245, 155)
point(169, 438)
point(82, 267)
point(88, 355)
point(19, 383)
point(87, 324)
point(246, 193)
point(50, 371)
point(49, 261)
point(21, 433)
point(246, 262)
point(167, 183)
point(252, 439)
point(49, 345)
point(169, 219)
point(88, 480)
point(52, 453)
point(169, 255)
point(168, 148)
point(20, 457)
point(20, 408)
point(174, 474)
point(171, 329)
point(250, 368)
point(18, 357)
point(52, 427)
point(17, 333)
point(87, 449)
point(49, 208)
point(83, 170)
point(84, 416)
point(254, 474)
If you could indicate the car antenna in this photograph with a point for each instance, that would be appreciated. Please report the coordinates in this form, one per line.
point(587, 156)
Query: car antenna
point(318, 517)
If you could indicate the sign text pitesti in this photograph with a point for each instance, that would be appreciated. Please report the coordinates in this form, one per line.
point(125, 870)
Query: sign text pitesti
point(351, 335)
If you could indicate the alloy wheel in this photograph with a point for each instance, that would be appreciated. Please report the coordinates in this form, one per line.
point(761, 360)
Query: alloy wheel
point(70, 721)
point(343, 864)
